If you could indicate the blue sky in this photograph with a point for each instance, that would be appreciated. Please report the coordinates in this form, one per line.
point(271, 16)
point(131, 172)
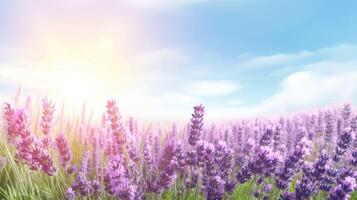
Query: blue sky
point(159, 58)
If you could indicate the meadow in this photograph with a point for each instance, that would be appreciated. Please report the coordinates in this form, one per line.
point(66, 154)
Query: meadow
point(45, 154)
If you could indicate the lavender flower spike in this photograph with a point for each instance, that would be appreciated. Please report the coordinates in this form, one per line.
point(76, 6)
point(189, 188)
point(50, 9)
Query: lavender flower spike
point(344, 189)
point(196, 124)
point(63, 149)
point(115, 123)
point(47, 115)
point(343, 144)
point(70, 194)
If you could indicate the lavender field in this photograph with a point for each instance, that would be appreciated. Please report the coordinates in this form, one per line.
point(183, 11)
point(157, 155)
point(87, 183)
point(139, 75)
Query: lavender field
point(46, 156)
point(178, 100)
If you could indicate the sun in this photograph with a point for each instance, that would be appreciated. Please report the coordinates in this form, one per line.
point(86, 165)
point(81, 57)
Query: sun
point(74, 82)
point(85, 71)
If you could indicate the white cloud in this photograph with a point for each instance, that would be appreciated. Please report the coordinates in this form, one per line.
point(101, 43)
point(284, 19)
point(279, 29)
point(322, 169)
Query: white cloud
point(341, 52)
point(274, 60)
point(322, 78)
point(327, 79)
point(311, 89)
point(321, 85)
point(212, 88)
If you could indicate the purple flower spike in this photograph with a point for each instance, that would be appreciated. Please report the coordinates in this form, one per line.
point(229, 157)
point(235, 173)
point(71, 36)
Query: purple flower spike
point(115, 123)
point(116, 180)
point(304, 189)
point(319, 168)
point(330, 126)
point(168, 165)
point(47, 115)
point(354, 123)
point(344, 189)
point(196, 126)
point(215, 188)
point(287, 196)
point(64, 150)
point(71, 169)
point(267, 137)
point(230, 186)
point(95, 186)
point(343, 144)
point(47, 164)
point(244, 175)
point(132, 148)
point(82, 185)
point(292, 165)
point(224, 159)
point(70, 194)
point(346, 112)
point(9, 117)
point(83, 168)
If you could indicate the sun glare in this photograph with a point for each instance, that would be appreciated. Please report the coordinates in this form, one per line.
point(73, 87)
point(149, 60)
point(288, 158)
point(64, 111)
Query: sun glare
point(86, 71)
point(75, 84)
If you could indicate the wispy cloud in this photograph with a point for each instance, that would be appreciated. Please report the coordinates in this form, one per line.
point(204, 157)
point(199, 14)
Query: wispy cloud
point(325, 77)
point(278, 60)
point(310, 89)
point(311, 80)
point(319, 78)
point(275, 60)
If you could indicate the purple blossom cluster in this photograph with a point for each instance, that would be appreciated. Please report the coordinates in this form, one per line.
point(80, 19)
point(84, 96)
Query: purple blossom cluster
point(295, 158)
point(64, 150)
point(116, 127)
point(196, 125)
point(117, 179)
point(30, 149)
point(47, 116)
